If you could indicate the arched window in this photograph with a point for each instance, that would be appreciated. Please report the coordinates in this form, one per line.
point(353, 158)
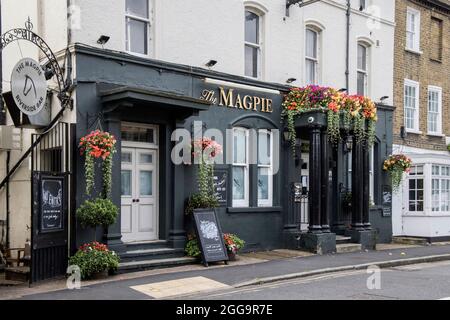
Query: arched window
point(363, 69)
point(253, 43)
point(312, 49)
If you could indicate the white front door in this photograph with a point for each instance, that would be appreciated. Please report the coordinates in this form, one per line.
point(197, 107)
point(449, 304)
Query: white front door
point(139, 209)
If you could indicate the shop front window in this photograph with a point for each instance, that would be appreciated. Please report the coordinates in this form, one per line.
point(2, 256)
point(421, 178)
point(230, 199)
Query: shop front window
point(416, 189)
point(265, 180)
point(440, 188)
point(240, 167)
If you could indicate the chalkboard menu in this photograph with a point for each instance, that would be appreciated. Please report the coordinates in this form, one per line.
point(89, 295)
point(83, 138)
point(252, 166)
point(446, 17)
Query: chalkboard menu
point(387, 201)
point(52, 204)
point(220, 186)
point(210, 236)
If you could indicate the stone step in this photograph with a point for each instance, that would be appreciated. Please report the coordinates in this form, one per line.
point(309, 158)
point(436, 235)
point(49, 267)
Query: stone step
point(410, 240)
point(143, 245)
point(154, 263)
point(343, 239)
point(348, 247)
point(152, 253)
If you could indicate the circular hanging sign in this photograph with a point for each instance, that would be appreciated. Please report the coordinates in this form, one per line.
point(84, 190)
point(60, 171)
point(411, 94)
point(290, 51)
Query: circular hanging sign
point(28, 86)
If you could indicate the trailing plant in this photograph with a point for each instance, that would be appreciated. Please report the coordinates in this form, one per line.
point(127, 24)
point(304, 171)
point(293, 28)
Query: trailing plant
point(205, 151)
point(98, 212)
point(98, 145)
point(355, 111)
point(233, 242)
point(448, 147)
point(396, 165)
point(94, 258)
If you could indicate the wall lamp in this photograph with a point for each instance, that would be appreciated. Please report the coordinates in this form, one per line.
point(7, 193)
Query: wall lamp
point(48, 71)
point(348, 145)
point(342, 90)
point(211, 63)
point(103, 39)
point(286, 135)
point(383, 98)
point(290, 80)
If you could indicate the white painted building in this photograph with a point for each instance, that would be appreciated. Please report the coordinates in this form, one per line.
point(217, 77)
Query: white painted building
point(254, 38)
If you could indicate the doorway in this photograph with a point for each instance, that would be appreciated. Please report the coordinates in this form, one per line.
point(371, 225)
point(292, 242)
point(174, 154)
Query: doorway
point(139, 183)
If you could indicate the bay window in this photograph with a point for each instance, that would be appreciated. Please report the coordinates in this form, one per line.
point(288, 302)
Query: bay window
point(440, 188)
point(416, 189)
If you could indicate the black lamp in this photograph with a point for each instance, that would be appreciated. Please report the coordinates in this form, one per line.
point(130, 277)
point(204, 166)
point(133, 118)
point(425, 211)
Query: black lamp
point(290, 80)
point(342, 90)
point(348, 145)
point(48, 71)
point(286, 134)
point(211, 63)
point(103, 39)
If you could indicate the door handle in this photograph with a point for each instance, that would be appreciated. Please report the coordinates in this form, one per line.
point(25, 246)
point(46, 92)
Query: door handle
point(135, 200)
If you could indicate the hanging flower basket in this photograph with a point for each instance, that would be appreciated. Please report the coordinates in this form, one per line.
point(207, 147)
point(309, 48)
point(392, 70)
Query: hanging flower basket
point(353, 113)
point(396, 165)
point(98, 145)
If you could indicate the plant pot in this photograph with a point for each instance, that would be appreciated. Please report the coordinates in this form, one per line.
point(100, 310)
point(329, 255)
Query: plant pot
point(231, 256)
point(99, 275)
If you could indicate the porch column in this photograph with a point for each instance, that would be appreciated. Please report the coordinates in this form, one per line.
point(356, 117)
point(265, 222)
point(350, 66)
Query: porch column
point(357, 186)
point(325, 218)
point(315, 180)
point(366, 189)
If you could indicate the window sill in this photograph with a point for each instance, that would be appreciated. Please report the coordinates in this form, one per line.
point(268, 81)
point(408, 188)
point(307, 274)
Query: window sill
point(414, 51)
point(254, 209)
point(435, 134)
point(436, 60)
point(414, 131)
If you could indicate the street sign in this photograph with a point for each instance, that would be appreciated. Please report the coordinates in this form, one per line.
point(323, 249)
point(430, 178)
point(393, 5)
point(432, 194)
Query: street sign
point(28, 86)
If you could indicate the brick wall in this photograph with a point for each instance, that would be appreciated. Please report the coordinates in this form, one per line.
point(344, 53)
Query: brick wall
point(423, 68)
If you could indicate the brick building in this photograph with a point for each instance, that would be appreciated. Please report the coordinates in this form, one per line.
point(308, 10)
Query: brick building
point(422, 118)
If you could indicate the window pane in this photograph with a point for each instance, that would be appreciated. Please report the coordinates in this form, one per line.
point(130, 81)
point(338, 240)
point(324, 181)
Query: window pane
point(251, 61)
point(310, 71)
point(145, 183)
point(361, 85)
point(137, 33)
point(311, 44)
point(138, 8)
point(251, 27)
point(264, 148)
point(239, 147)
point(263, 183)
point(238, 183)
point(362, 57)
point(136, 134)
point(126, 157)
point(146, 158)
point(125, 182)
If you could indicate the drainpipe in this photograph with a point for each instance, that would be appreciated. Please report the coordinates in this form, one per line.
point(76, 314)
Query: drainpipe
point(8, 213)
point(347, 54)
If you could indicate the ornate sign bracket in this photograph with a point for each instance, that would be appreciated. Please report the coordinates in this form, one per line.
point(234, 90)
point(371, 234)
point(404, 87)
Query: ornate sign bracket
point(28, 35)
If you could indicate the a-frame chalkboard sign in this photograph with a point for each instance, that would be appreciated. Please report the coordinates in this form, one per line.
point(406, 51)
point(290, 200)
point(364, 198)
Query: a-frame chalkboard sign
point(209, 235)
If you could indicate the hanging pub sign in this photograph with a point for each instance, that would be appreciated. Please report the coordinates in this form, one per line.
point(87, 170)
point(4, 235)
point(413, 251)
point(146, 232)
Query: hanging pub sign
point(28, 86)
point(209, 235)
point(52, 203)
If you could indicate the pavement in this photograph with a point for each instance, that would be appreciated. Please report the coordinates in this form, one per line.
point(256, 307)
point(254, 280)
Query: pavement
point(246, 272)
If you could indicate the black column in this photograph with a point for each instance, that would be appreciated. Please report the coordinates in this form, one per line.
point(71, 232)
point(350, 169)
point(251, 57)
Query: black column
point(315, 180)
point(357, 186)
point(366, 188)
point(325, 180)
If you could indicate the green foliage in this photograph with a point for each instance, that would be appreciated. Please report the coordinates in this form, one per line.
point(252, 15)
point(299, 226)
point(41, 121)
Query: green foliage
point(448, 147)
point(359, 128)
point(233, 242)
point(334, 135)
point(107, 176)
point(89, 164)
point(91, 261)
point(192, 248)
point(201, 201)
point(98, 212)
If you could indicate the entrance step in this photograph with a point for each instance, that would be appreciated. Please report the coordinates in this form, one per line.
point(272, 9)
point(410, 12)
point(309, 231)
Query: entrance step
point(343, 239)
point(154, 263)
point(142, 245)
point(410, 240)
point(20, 274)
point(348, 247)
point(147, 254)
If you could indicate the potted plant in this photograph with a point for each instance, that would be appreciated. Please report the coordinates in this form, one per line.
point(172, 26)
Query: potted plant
point(95, 260)
point(98, 212)
point(396, 165)
point(233, 244)
point(192, 248)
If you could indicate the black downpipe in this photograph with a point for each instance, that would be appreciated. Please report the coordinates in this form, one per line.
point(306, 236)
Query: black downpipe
point(8, 213)
point(347, 54)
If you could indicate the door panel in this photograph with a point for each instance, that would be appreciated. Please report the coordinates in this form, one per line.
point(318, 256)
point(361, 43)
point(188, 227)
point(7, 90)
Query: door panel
point(139, 195)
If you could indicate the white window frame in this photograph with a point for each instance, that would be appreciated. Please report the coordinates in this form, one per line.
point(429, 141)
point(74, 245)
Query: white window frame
point(364, 71)
point(315, 60)
point(259, 46)
point(242, 203)
point(414, 84)
point(267, 202)
point(129, 16)
point(415, 46)
point(422, 176)
point(440, 178)
point(438, 131)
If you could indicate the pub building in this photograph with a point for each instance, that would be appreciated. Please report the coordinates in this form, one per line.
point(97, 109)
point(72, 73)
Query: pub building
point(304, 204)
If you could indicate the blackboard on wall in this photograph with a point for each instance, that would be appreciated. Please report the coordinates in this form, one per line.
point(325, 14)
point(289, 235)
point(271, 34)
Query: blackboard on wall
point(220, 186)
point(387, 201)
point(52, 204)
point(209, 235)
